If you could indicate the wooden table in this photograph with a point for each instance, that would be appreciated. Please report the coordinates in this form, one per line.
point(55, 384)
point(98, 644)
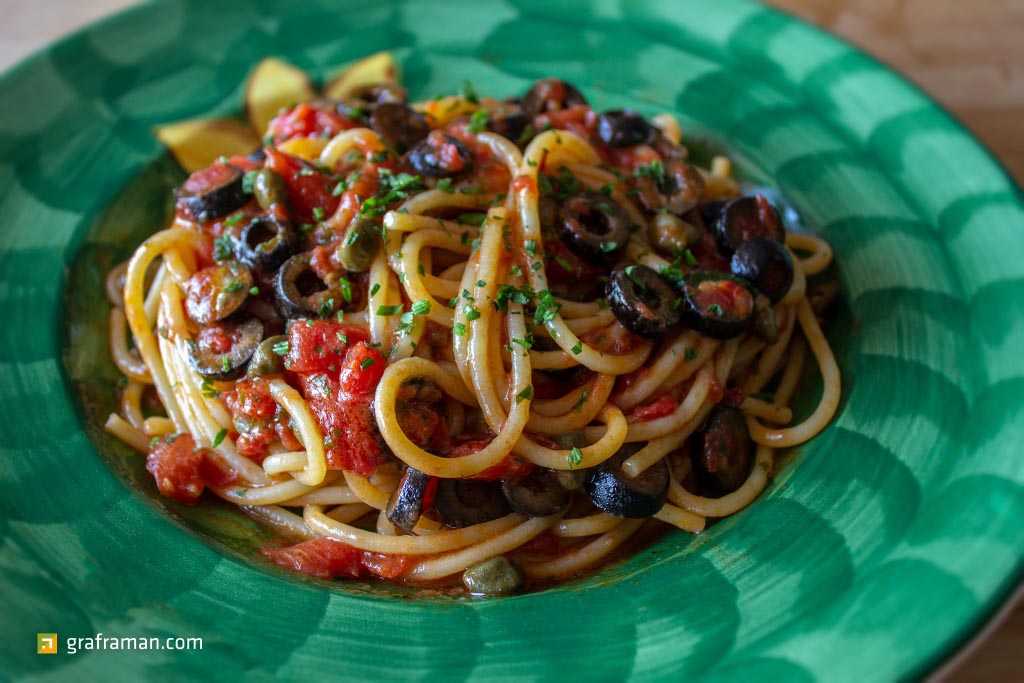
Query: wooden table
point(968, 54)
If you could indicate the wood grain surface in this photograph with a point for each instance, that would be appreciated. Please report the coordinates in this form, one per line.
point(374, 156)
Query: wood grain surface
point(967, 54)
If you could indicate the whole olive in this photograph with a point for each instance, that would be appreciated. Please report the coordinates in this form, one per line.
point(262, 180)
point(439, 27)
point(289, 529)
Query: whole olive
point(359, 246)
point(265, 360)
point(496, 576)
point(269, 189)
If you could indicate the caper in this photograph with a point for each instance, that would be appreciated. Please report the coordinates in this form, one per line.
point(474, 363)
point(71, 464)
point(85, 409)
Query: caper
point(359, 245)
point(266, 361)
point(670, 234)
point(763, 323)
point(269, 189)
point(496, 576)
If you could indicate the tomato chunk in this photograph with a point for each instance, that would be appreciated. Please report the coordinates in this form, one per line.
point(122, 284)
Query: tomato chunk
point(661, 406)
point(308, 189)
point(175, 464)
point(362, 370)
point(251, 398)
point(325, 558)
point(320, 345)
point(306, 121)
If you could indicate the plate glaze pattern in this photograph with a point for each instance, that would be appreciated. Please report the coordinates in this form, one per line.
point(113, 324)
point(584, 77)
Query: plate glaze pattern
point(887, 543)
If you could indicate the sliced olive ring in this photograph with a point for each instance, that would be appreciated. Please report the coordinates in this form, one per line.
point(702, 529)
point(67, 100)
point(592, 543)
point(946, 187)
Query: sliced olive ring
point(405, 505)
point(716, 304)
point(299, 291)
point(723, 453)
point(676, 190)
point(511, 126)
point(745, 218)
point(217, 292)
point(361, 102)
point(399, 125)
point(266, 360)
point(615, 492)
point(711, 211)
point(642, 300)
point(594, 226)
point(222, 367)
point(220, 198)
point(538, 494)
point(440, 156)
point(551, 94)
point(266, 243)
point(622, 128)
point(465, 502)
point(766, 264)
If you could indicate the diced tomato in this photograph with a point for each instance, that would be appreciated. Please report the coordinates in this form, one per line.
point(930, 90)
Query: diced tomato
point(523, 182)
point(308, 189)
point(424, 425)
point(579, 119)
point(320, 262)
point(306, 121)
point(510, 467)
point(707, 254)
point(387, 566)
point(570, 273)
point(215, 338)
point(320, 345)
point(715, 392)
point(347, 424)
point(663, 405)
point(545, 543)
point(287, 436)
point(325, 558)
point(175, 465)
point(213, 475)
point(255, 444)
point(214, 175)
point(245, 163)
point(321, 558)
point(362, 370)
point(251, 399)
point(732, 298)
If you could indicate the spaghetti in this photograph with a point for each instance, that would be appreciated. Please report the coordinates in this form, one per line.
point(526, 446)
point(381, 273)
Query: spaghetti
point(467, 337)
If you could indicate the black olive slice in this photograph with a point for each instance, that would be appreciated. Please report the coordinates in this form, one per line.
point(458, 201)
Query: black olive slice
point(674, 186)
point(406, 502)
point(723, 453)
point(622, 128)
point(594, 226)
point(440, 156)
point(642, 300)
point(266, 243)
point(511, 126)
point(537, 494)
point(299, 291)
point(551, 94)
point(766, 264)
point(716, 304)
point(711, 211)
point(615, 492)
point(210, 361)
point(465, 502)
point(213, 192)
point(360, 103)
point(217, 292)
point(399, 125)
point(744, 219)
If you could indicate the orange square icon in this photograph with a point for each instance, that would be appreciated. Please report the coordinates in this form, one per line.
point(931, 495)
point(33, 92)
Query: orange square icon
point(46, 643)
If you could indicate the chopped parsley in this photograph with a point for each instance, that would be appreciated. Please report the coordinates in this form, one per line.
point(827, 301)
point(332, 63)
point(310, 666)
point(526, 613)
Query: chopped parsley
point(575, 457)
point(421, 307)
point(578, 348)
point(690, 354)
point(445, 185)
point(389, 310)
point(471, 314)
point(469, 93)
point(367, 362)
point(525, 395)
point(478, 122)
point(458, 329)
point(217, 440)
point(223, 247)
point(281, 348)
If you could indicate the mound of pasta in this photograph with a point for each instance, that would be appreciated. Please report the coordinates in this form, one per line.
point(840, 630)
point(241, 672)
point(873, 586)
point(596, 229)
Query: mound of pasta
point(467, 338)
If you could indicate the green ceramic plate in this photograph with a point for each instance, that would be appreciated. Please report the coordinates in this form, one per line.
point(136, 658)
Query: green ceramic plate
point(874, 556)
